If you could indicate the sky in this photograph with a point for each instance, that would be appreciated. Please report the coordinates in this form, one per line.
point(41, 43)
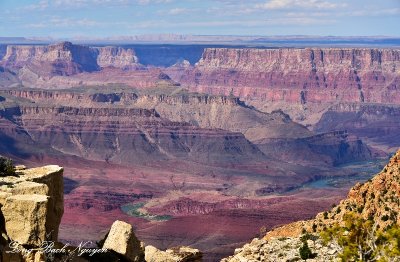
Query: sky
point(113, 18)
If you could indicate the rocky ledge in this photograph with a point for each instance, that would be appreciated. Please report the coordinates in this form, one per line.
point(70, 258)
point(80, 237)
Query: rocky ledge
point(31, 208)
point(282, 249)
point(32, 204)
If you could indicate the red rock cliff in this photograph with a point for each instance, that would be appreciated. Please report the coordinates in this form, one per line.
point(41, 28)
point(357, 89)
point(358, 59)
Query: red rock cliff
point(66, 58)
point(58, 59)
point(299, 75)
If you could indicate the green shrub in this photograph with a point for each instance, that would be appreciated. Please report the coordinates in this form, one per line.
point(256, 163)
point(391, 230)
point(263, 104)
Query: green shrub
point(362, 240)
point(6, 167)
point(314, 228)
point(305, 251)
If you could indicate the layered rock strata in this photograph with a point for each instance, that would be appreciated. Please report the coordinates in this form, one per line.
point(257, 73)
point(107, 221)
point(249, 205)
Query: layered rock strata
point(127, 135)
point(68, 65)
point(299, 75)
point(271, 132)
point(118, 57)
point(69, 57)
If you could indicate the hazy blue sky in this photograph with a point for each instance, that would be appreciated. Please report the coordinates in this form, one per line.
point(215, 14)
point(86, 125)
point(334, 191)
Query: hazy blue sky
point(100, 18)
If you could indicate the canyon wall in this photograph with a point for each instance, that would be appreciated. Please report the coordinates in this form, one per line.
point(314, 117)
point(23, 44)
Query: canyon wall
point(68, 58)
point(325, 89)
point(116, 57)
point(64, 58)
point(329, 148)
point(377, 122)
point(310, 75)
point(202, 110)
point(288, 75)
point(298, 75)
point(8, 78)
point(127, 112)
point(125, 135)
point(66, 65)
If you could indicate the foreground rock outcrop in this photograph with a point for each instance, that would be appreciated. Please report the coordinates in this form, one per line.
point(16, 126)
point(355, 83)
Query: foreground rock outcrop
point(31, 207)
point(32, 204)
point(178, 254)
point(281, 249)
point(122, 240)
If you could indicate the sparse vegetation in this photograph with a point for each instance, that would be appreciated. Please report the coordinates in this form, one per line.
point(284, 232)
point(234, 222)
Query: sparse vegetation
point(6, 167)
point(364, 194)
point(305, 251)
point(372, 196)
point(361, 240)
point(314, 228)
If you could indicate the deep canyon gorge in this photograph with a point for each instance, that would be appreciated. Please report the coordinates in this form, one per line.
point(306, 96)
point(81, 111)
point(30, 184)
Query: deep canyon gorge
point(205, 146)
